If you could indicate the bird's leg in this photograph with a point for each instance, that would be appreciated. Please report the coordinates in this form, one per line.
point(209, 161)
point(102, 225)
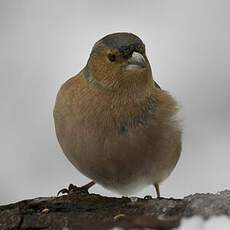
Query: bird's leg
point(157, 188)
point(86, 187)
point(73, 188)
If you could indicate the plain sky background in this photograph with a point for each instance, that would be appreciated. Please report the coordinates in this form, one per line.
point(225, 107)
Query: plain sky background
point(43, 43)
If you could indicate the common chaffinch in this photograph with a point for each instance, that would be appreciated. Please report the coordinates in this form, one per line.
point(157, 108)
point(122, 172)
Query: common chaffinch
point(113, 121)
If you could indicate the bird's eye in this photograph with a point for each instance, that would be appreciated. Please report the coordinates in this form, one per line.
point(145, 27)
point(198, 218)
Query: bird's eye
point(112, 57)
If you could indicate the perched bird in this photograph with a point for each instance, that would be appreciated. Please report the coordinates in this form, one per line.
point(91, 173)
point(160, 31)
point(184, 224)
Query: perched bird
point(113, 121)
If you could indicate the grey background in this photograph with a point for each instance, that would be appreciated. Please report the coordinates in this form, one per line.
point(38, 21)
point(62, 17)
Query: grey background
point(43, 43)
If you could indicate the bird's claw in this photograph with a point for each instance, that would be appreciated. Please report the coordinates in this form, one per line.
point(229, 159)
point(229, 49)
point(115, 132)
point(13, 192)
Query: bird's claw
point(148, 197)
point(63, 191)
point(75, 189)
point(72, 189)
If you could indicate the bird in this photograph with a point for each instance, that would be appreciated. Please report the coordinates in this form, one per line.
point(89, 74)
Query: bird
point(114, 123)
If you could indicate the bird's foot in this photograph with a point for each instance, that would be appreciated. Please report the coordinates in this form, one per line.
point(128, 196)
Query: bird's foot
point(161, 198)
point(148, 197)
point(75, 189)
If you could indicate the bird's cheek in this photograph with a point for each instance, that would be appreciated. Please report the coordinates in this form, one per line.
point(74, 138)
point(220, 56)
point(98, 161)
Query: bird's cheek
point(98, 68)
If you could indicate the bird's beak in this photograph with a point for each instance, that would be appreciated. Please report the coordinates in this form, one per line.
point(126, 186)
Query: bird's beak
point(136, 61)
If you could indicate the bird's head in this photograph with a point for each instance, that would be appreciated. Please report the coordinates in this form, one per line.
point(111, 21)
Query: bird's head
point(119, 60)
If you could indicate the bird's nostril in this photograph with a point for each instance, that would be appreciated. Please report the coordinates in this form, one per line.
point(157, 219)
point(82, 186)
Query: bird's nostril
point(127, 50)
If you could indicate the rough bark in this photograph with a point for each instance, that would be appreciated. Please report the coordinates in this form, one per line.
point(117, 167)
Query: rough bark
point(91, 211)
